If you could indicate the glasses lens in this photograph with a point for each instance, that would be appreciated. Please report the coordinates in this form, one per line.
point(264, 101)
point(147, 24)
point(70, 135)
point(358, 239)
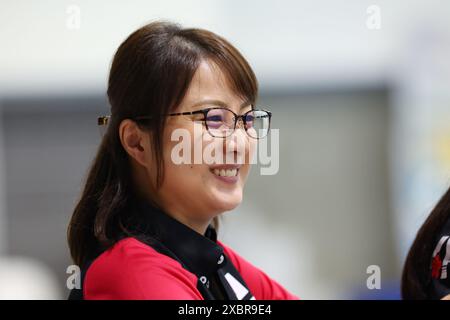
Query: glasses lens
point(257, 123)
point(220, 122)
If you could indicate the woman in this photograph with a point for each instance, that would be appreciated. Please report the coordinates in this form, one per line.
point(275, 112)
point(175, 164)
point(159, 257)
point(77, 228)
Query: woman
point(145, 226)
point(426, 274)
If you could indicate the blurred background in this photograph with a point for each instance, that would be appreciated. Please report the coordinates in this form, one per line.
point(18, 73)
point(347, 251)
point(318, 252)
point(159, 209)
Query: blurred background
point(359, 92)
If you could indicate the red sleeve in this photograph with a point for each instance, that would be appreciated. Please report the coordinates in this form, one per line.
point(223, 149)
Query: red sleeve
point(259, 283)
point(133, 270)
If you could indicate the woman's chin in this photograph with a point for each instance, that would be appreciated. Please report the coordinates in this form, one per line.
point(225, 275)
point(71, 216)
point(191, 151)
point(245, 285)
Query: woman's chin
point(224, 201)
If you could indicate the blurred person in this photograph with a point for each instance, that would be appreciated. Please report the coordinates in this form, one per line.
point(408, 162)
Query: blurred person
point(426, 271)
point(145, 227)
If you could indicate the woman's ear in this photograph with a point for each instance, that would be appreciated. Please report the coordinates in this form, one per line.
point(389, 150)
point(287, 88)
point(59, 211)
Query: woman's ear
point(135, 141)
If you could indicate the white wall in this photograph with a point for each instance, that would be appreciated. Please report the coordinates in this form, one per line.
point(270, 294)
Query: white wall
point(311, 43)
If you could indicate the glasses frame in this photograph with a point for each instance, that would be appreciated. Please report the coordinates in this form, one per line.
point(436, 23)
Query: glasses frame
point(104, 119)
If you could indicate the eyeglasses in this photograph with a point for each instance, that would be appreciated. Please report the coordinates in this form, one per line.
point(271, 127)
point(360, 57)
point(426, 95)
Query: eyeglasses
point(221, 122)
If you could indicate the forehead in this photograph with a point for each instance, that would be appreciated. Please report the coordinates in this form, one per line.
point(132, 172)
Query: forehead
point(210, 83)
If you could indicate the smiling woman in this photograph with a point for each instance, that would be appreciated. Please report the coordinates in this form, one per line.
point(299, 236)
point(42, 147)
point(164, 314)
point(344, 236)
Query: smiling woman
point(145, 226)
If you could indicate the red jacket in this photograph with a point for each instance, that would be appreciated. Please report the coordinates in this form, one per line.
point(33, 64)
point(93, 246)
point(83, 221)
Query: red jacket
point(133, 270)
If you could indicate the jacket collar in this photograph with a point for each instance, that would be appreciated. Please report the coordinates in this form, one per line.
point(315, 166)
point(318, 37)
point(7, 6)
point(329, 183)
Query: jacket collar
point(199, 254)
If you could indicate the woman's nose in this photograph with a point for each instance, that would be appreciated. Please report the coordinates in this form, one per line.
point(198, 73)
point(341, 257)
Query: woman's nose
point(237, 143)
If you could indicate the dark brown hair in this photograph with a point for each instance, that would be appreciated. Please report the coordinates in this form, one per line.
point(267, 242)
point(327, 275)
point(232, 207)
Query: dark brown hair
point(417, 270)
point(150, 74)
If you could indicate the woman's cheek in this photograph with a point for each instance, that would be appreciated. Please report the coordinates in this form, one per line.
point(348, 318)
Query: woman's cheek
point(251, 150)
point(249, 157)
point(245, 172)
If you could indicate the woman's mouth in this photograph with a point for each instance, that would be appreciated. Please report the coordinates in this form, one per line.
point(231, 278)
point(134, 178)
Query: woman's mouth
point(227, 174)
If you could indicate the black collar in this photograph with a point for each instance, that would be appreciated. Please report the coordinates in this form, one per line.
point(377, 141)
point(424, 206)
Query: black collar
point(198, 253)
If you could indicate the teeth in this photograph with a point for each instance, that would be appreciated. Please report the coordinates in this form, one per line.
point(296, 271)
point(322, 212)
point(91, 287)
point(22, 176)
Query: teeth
point(225, 172)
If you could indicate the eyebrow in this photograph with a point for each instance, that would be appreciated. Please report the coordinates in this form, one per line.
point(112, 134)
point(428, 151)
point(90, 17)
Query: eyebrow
point(220, 103)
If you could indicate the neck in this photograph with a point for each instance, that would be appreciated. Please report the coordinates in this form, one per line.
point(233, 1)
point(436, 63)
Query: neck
point(198, 226)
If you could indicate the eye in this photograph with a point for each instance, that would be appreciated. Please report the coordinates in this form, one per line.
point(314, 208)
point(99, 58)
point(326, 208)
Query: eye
point(249, 118)
point(215, 118)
